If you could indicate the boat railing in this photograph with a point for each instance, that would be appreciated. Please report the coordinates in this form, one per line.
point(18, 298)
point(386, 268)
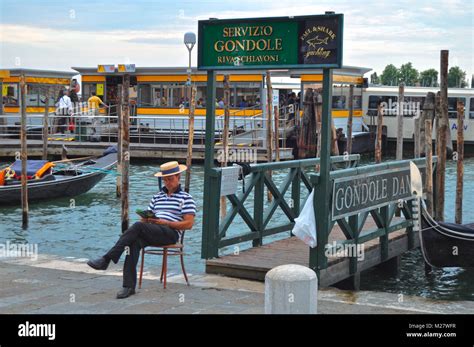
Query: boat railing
point(86, 125)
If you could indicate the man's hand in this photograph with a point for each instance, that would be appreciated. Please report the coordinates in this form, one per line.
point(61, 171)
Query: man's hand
point(154, 221)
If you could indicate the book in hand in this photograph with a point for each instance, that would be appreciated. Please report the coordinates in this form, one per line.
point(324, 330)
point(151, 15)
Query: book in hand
point(145, 213)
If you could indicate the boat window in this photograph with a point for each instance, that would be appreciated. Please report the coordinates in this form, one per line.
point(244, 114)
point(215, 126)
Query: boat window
point(145, 95)
point(10, 94)
point(389, 100)
point(413, 105)
point(471, 108)
point(247, 95)
point(89, 88)
point(201, 96)
point(32, 95)
point(340, 98)
point(453, 106)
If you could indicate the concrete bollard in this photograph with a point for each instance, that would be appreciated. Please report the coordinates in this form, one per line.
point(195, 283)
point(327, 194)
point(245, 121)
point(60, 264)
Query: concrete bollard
point(291, 289)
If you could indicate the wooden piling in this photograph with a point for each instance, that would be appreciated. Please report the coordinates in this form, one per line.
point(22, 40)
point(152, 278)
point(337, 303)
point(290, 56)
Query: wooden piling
point(416, 136)
point(276, 115)
point(334, 146)
point(45, 126)
point(225, 136)
point(349, 120)
point(189, 158)
point(23, 154)
point(443, 130)
point(125, 150)
point(318, 103)
point(460, 163)
point(118, 188)
point(378, 141)
point(401, 101)
point(269, 126)
point(429, 165)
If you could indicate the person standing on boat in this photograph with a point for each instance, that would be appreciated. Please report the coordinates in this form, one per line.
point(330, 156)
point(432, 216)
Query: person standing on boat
point(173, 210)
point(63, 110)
point(94, 103)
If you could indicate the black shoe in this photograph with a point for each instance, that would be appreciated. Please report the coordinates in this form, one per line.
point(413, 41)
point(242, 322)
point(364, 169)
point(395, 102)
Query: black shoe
point(99, 264)
point(125, 293)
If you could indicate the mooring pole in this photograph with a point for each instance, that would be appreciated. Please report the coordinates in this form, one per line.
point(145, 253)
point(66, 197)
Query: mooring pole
point(225, 136)
point(443, 130)
point(45, 126)
point(378, 140)
point(269, 126)
point(276, 114)
point(401, 101)
point(323, 188)
point(23, 154)
point(189, 158)
point(118, 188)
point(429, 166)
point(460, 163)
point(209, 248)
point(125, 151)
point(416, 135)
point(349, 120)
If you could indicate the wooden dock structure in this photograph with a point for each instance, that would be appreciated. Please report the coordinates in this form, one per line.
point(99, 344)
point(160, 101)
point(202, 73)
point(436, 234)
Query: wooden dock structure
point(9, 148)
point(255, 262)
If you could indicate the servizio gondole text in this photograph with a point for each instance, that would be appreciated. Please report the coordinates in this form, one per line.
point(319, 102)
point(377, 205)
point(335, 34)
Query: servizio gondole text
point(256, 40)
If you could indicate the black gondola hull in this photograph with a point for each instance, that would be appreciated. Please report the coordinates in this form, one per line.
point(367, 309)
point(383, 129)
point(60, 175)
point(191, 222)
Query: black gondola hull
point(446, 245)
point(60, 186)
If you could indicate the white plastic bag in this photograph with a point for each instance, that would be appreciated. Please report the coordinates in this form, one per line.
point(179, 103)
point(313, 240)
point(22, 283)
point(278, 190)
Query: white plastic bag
point(305, 223)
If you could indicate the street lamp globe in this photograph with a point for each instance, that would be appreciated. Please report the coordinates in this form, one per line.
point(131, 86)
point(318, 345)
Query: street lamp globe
point(190, 40)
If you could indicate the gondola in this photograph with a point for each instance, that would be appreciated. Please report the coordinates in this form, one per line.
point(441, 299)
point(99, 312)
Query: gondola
point(68, 181)
point(446, 244)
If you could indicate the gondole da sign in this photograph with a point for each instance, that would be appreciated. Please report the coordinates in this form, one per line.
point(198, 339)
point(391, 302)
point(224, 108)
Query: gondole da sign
point(280, 42)
point(352, 195)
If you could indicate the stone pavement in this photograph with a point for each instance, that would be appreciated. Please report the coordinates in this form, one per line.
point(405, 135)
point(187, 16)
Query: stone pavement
point(57, 285)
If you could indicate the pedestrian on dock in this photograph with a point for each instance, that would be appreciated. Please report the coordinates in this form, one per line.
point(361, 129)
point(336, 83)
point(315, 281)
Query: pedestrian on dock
point(63, 110)
point(173, 211)
point(94, 103)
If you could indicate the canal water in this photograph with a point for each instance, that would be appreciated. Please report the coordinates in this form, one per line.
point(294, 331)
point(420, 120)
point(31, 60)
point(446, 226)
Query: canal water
point(89, 225)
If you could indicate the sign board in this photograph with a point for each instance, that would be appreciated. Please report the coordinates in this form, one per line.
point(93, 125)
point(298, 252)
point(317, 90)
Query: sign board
point(229, 180)
point(106, 68)
point(126, 68)
point(265, 43)
point(100, 89)
point(352, 195)
point(276, 97)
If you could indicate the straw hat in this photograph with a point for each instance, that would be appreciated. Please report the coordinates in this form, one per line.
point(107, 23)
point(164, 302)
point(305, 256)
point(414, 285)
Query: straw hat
point(170, 168)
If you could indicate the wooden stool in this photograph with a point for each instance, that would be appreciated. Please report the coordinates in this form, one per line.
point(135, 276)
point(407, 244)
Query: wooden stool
point(174, 249)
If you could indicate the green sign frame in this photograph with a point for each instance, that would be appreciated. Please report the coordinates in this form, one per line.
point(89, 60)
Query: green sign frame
point(301, 42)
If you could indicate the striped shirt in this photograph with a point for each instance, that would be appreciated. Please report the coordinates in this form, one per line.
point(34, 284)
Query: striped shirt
point(174, 206)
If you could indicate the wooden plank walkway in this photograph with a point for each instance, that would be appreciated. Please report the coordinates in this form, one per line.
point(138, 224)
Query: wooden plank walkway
point(255, 262)
point(9, 147)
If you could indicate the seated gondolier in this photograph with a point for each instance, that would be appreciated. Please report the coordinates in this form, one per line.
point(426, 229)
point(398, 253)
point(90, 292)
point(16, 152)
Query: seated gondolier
point(173, 211)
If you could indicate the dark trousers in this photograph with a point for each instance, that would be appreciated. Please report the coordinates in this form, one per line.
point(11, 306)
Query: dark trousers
point(136, 237)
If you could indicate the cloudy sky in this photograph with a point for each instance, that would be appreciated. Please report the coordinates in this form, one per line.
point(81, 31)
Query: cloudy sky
point(51, 34)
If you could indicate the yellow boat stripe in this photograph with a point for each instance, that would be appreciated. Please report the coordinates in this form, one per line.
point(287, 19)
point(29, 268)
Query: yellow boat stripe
point(198, 78)
point(93, 78)
point(336, 78)
point(197, 112)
